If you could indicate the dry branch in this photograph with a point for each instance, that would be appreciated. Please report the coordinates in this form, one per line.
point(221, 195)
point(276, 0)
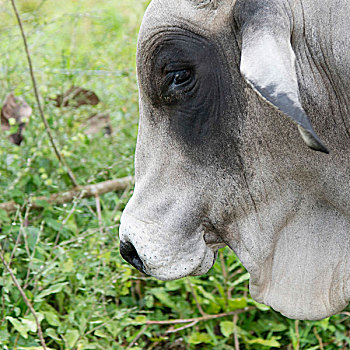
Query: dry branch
point(68, 196)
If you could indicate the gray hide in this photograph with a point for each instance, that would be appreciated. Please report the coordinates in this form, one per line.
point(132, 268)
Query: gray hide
point(224, 87)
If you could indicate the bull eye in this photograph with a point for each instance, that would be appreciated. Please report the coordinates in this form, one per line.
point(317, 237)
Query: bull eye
point(176, 84)
point(182, 76)
point(175, 79)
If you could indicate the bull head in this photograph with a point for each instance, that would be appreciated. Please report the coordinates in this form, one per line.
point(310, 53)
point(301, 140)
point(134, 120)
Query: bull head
point(217, 161)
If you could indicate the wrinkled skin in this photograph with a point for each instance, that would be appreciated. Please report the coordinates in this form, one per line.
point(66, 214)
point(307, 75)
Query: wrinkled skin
point(219, 160)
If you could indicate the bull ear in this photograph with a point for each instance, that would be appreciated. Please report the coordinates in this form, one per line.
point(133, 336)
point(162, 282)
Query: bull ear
point(268, 65)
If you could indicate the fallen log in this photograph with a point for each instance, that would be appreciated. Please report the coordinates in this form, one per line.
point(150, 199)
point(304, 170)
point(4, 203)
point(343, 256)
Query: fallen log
point(68, 196)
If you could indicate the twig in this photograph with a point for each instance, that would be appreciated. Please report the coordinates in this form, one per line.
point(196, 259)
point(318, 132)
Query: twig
point(223, 266)
point(47, 127)
point(199, 307)
point(105, 323)
point(80, 238)
point(18, 239)
point(139, 335)
point(174, 330)
point(16, 246)
point(99, 212)
point(235, 333)
point(225, 276)
point(120, 202)
point(235, 273)
point(24, 223)
point(26, 300)
point(63, 223)
point(318, 338)
point(27, 168)
point(2, 308)
point(32, 255)
point(200, 319)
point(345, 318)
point(38, 275)
point(68, 196)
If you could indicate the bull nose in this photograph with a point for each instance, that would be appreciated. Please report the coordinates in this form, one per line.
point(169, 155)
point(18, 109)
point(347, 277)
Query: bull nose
point(129, 253)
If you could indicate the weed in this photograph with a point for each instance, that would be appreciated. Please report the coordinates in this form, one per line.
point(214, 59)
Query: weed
point(66, 257)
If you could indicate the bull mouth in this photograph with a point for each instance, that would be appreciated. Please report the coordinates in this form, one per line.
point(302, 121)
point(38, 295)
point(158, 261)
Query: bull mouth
point(203, 269)
point(167, 255)
point(185, 267)
point(213, 240)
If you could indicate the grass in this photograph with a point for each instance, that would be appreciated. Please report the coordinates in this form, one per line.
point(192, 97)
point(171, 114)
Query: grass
point(66, 257)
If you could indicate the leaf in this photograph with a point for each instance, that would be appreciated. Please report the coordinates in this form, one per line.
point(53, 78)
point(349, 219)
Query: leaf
point(259, 306)
point(29, 323)
point(41, 203)
point(277, 327)
point(241, 279)
point(238, 303)
point(19, 327)
point(68, 265)
point(172, 286)
point(213, 307)
point(149, 301)
point(34, 348)
point(52, 334)
point(227, 328)
point(82, 324)
point(52, 318)
point(270, 342)
point(56, 288)
point(32, 235)
point(163, 296)
point(323, 323)
point(71, 336)
point(198, 338)
point(4, 335)
point(100, 333)
point(139, 320)
point(207, 295)
point(114, 328)
point(53, 224)
point(218, 286)
point(4, 217)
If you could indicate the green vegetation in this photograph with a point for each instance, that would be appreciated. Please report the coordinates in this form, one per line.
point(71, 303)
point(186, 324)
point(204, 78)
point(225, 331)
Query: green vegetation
point(66, 257)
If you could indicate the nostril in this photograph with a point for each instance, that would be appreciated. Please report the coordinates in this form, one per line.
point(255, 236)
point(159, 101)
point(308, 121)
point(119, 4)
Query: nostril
point(129, 253)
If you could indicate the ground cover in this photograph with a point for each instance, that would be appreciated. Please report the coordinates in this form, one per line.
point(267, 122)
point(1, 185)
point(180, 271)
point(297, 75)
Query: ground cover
point(65, 257)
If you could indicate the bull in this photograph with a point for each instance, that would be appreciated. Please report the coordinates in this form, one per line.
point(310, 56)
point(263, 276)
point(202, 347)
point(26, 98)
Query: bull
point(225, 86)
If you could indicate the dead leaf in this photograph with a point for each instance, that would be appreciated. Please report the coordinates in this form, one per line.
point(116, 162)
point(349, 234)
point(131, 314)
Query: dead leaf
point(96, 123)
point(15, 111)
point(75, 97)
